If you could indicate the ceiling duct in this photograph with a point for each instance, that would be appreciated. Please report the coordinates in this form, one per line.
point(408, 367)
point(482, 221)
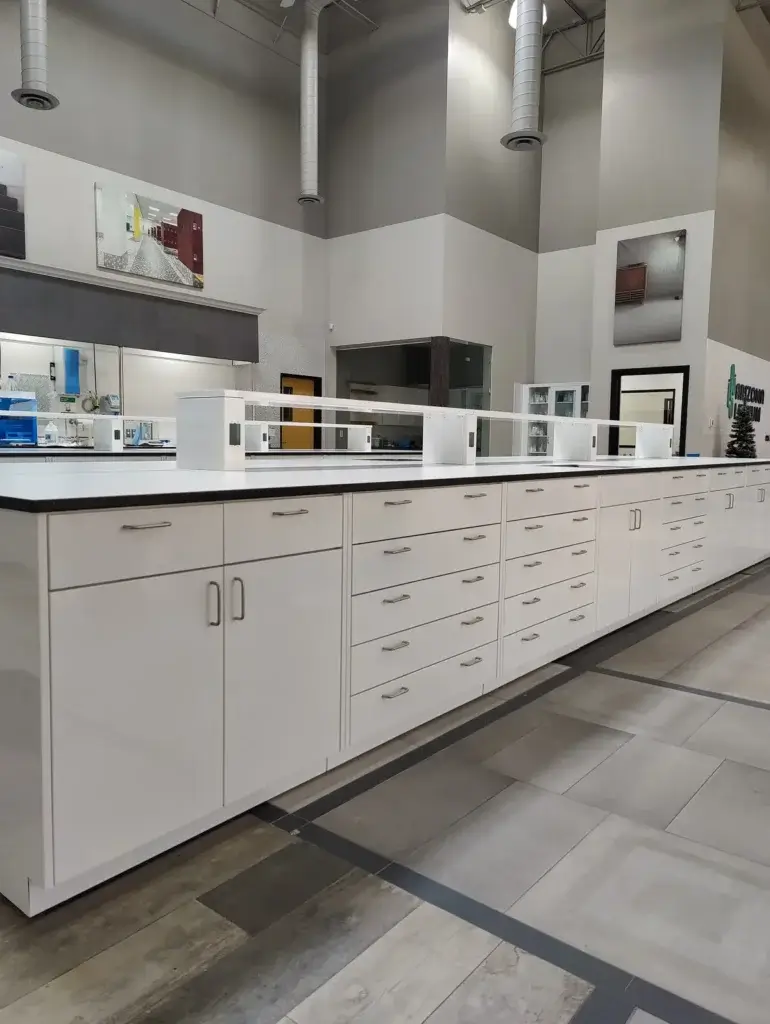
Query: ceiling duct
point(309, 103)
point(525, 134)
point(34, 93)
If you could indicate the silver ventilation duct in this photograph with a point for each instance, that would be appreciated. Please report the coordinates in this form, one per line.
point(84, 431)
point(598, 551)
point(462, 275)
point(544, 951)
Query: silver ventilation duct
point(34, 57)
point(309, 103)
point(525, 131)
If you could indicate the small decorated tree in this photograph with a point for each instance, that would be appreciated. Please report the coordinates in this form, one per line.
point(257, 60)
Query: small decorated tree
point(742, 443)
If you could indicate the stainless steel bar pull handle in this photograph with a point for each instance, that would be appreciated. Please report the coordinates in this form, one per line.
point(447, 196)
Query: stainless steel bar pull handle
point(699, 522)
point(697, 546)
point(474, 579)
point(680, 477)
point(397, 647)
point(701, 475)
point(672, 578)
point(397, 600)
point(481, 494)
point(537, 526)
point(577, 618)
point(677, 502)
point(534, 600)
point(476, 536)
point(673, 554)
point(580, 519)
point(396, 693)
point(582, 551)
point(397, 551)
point(393, 504)
point(237, 581)
point(218, 620)
point(294, 512)
point(529, 639)
point(698, 569)
point(675, 528)
point(700, 499)
point(632, 519)
point(535, 490)
point(474, 661)
point(579, 487)
point(578, 586)
point(532, 565)
point(474, 621)
point(639, 523)
point(146, 526)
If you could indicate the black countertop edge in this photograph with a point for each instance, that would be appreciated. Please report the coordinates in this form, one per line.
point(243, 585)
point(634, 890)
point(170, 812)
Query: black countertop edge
point(88, 503)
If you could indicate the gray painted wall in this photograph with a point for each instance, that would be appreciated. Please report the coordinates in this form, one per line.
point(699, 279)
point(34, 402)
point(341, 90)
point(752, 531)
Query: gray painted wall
point(740, 297)
point(145, 113)
point(660, 111)
point(386, 131)
point(487, 186)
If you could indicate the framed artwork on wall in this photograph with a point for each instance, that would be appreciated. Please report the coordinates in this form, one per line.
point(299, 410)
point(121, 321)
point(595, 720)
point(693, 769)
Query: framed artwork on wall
point(649, 289)
point(13, 237)
point(148, 237)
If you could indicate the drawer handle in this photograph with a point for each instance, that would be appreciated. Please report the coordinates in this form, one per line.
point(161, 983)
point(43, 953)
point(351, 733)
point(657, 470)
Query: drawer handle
point(701, 475)
point(721, 474)
point(397, 551)
point(537, 526)
point(535, 490)
point(577, 618)
point(474, 579)
point(579, 487)
point(396, 693)
point(393, 504)
point(677, 502)
point(529, 639)
point(294, 512)
point(532, 565)
point(397, 647)
point(675, 528)
point(473, 622)
point(146, 526)
point(700, 499)
point(583, 551)
point(671, 579)
point(673, 554)
point(698, 570)
point(397, 600)
point(577, 586)
point(481, 494)
point(697, 547)
point(680, 477)
point(238, 581)
point(218, 620)
point(476, 536)
point(699, 522)
point(469, 664)
point(580, 519)
point(535, 600)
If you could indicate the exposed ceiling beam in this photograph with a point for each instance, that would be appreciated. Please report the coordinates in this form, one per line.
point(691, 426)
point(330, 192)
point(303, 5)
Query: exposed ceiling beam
point(749, 5)
point(581, 15)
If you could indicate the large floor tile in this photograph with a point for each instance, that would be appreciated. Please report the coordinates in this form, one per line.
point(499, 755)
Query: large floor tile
point(558, 753)
point(680, 915)
point(451, 720)
point(404, 976)
point(733, 665)
point(260, 982)
point(118, 983)
point(497, 852)
point(631, 706)
point(731, 812)
point(486, 742)
point(738, 732)
point(646, 780)
point(512, 987)
point(415, 806)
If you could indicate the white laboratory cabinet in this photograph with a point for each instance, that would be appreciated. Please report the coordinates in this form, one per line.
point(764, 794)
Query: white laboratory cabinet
point(536, 437)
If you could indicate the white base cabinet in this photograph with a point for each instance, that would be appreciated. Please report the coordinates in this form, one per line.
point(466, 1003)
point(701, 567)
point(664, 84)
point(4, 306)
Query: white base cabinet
point(627, 566)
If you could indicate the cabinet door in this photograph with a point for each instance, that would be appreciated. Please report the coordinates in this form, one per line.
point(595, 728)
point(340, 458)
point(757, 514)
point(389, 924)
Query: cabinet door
point(647, 541)
point(721, 524)
point(282, 669)
point(747, 518)
point(615, 533)
point(137, 709)
point(763, 523)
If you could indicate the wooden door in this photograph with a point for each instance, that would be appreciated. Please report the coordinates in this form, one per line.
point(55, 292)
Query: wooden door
point(300, 436)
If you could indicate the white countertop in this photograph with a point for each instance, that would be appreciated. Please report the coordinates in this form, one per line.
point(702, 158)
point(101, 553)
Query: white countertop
point(61, 486)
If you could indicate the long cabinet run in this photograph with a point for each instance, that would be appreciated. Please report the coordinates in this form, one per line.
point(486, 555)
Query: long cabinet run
point(166, 668)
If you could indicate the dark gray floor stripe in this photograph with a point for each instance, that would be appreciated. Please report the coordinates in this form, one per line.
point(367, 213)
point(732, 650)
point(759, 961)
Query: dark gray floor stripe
point(605, 1007)
point(669, 1007)
point(667, 685)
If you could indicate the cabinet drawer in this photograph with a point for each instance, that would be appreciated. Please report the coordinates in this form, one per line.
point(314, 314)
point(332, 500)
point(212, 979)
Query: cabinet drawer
point(530, 498)
point(386, 711)
point(682, 555)
point(387, 611)
point(530, 572)
point(281, 526)
point(127, 543)
point(390, 657)
point(380, 515)
point(685, 481)
point(531, 647)
point(726, 478)
point(679, 583)
point(526, 536)
point(687, 507)
point(626, 488)
point(405, 559)
point(675, 534)
point(547, 603)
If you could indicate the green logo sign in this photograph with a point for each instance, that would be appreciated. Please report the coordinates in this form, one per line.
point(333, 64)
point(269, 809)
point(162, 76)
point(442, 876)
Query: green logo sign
point(732, 387)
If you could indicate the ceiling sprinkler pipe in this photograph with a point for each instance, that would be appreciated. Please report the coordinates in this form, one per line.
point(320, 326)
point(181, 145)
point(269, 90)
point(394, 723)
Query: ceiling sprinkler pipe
point(309, 104)
point(525, 131)
point(34, 93)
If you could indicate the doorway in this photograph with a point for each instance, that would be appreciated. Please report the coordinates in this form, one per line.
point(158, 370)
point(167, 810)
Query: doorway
point(307, 434)
point(648, 395)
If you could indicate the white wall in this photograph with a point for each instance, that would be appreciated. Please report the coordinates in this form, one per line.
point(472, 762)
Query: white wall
point(565, 314)
point(750, 370)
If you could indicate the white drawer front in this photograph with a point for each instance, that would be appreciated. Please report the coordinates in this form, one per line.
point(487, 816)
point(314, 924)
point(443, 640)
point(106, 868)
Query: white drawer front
point(530, 572)
point(725, 478)
point(698, 574)
point(405, 559)
point(540, 605)
point(684, 481)
point(281, 526)
point(536, 646)
point(626, 488)
point(380, 515)
point(526, 536)
point(682, 555)
point(386, 711)
point(529, 498)
point(689, 506)
point(676, 584)
point(387, 611)
point(675, 534)
point(390, 657)
point(121, 544)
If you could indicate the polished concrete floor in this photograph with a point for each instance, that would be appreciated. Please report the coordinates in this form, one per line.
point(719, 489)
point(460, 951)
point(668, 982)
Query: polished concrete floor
point(595, 850)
